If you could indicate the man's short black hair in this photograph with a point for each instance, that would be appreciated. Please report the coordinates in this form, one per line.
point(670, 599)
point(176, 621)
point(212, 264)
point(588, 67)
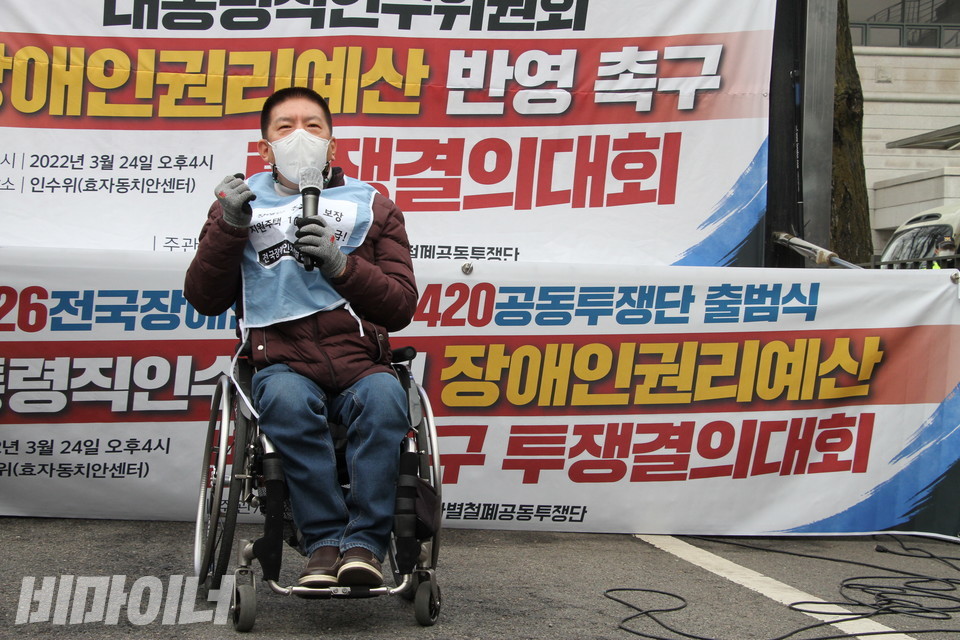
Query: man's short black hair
point(283, 95)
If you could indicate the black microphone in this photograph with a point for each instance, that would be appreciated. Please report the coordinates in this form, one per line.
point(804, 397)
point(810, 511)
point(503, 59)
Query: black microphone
point(311, 183)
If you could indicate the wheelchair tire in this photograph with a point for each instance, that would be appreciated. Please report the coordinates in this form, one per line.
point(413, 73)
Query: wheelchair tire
point(243, 607)
point(241, 434)
point(216, 522)
point(426, 608)
point(210, 469)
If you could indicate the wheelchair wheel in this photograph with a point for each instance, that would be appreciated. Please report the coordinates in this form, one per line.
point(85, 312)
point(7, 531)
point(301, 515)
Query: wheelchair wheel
point(426, 607)
point(211, 468)
point(217, 518)
point(243, 606)
point(430, 469)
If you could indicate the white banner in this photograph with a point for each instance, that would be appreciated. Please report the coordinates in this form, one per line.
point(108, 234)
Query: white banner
point(565, 131)
point(662, 400)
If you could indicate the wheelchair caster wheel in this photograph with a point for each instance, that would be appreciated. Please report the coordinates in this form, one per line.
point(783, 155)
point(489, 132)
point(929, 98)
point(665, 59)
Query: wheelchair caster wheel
point(244, 607)
point(426, 608)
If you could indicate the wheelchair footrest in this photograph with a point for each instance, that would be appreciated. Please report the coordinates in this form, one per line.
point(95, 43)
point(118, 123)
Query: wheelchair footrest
point(326, 593)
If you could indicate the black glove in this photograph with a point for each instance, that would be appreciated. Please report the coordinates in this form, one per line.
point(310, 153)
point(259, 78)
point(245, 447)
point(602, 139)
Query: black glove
point(234, 196)
point(315, 239)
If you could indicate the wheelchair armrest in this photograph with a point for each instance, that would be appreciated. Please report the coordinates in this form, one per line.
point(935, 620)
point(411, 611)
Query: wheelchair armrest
point(403, 354)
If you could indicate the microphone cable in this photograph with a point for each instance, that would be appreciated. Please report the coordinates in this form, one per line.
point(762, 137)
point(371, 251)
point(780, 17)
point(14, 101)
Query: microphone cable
point(905, 593)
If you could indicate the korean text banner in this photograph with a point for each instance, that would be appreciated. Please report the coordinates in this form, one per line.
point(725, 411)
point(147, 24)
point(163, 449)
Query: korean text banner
point(594, 131)
point(567, 397)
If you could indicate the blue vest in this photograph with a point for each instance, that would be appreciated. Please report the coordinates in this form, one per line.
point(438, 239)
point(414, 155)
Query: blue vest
point(276, 286)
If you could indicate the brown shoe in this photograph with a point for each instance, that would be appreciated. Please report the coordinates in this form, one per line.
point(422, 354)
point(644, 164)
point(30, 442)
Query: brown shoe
point(321, 569)
point(359, 568)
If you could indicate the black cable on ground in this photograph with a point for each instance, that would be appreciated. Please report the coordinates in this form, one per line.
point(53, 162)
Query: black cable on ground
point(905, 593)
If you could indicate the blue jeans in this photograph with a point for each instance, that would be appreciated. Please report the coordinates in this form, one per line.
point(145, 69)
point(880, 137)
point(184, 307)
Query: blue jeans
point(293, 414)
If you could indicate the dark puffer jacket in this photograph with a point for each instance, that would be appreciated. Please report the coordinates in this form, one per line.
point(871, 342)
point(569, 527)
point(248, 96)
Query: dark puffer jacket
point(327, 347)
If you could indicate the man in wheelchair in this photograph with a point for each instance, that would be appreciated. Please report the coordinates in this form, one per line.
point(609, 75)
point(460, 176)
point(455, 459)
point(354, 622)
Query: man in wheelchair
point(318, 337)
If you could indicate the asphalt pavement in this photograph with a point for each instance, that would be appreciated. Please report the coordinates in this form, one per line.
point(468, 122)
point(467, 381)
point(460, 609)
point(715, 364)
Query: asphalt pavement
point(495, 584)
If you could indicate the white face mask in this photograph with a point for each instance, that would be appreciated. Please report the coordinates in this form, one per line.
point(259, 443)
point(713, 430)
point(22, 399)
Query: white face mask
point(297, 151)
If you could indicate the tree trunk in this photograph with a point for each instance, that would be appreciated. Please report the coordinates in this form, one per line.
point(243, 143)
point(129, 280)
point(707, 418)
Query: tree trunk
point(850, 235)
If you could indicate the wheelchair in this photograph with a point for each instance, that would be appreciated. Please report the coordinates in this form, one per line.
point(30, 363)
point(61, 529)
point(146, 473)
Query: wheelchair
point(241, 466)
